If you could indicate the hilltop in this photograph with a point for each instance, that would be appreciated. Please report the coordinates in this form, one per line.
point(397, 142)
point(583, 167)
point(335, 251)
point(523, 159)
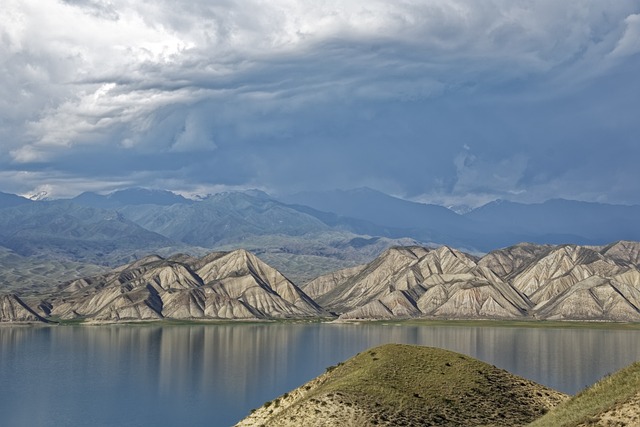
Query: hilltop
point(406, 385)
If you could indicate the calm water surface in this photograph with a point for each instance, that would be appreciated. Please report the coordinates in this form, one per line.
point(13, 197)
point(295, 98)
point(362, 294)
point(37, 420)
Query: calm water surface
point(212, 375)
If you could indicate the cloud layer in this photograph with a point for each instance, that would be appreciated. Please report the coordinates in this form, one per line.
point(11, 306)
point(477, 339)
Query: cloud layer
point(446, 101)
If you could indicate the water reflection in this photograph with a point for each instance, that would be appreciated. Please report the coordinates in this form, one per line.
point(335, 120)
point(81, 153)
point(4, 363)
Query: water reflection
point(213, 374)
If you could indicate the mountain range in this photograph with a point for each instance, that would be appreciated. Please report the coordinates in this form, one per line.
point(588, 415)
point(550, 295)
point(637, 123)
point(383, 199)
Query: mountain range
point(561, 221)
point(496, 224)
point(130, 196)
point(221, 285)
point(364, 211)
point(525, 281)
point(304, 235)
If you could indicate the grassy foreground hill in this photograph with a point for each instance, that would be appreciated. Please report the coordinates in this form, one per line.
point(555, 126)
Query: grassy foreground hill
point(613, 401)
point(404, 385)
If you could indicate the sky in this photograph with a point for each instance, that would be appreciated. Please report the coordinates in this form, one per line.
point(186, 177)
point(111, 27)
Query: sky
point(440, 101)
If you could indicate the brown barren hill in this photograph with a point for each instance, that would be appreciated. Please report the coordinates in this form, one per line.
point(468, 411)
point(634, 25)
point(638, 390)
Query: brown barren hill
point(404, 385)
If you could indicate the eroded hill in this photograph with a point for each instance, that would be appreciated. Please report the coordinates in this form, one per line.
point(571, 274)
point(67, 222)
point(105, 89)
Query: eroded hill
point(566, 282)
point(525, 281)
point(221, 285)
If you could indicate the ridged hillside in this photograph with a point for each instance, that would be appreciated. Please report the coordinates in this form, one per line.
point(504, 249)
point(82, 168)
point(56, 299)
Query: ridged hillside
point(403, 385)
point(14, 310)
point(374, 280)
point(566, 282)
point(221, 285)
point(526, 281)
point(623, 251)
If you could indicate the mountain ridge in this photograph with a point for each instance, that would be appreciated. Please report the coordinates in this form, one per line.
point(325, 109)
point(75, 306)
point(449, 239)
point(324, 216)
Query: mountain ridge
point(365, 212)
point(523, 282)
point(302, 241)
point(130, 196)
point(8, 200)
point(526, 281)
point(588, 221)
point(221, 285)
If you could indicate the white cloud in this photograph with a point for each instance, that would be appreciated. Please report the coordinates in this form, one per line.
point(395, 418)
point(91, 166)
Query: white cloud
point(475, 174)
point(58, 185)
point(193, 76)
point(196, 134)
point(629, 43)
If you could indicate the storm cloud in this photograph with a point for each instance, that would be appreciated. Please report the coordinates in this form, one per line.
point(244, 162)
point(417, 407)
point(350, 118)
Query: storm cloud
point(452, 102)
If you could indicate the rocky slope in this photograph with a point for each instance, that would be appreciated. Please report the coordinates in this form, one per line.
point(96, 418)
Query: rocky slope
point(407, 385)
point(14, 310)
point(522, 281)
point(346, 228)
point(623, 251)
point(221, 285)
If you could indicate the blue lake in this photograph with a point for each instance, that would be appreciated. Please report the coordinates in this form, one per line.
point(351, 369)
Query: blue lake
point(212, 375)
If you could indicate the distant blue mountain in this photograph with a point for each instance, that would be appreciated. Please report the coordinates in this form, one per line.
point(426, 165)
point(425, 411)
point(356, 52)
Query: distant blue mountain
point(65, 229)
point(9, 200)
point(224, 218)
point(372, 212)
point(497, 224)
point(587, 222)
point(233, 217)
point(379, 208)
point(130, 196)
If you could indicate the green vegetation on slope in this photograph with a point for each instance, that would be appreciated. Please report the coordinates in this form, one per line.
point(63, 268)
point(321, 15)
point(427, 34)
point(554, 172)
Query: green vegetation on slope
point(616, 395)
point(437, 384)
point(411, 386)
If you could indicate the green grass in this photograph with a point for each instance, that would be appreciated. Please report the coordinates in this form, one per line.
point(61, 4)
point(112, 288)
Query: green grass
point(602, 396)
point(65, 322)
point(421, 386)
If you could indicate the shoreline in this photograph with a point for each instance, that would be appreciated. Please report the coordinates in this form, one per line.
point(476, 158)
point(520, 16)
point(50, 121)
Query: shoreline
point(501, 323)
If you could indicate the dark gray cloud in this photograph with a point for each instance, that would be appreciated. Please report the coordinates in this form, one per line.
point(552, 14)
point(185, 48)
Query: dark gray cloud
point(455, 102)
